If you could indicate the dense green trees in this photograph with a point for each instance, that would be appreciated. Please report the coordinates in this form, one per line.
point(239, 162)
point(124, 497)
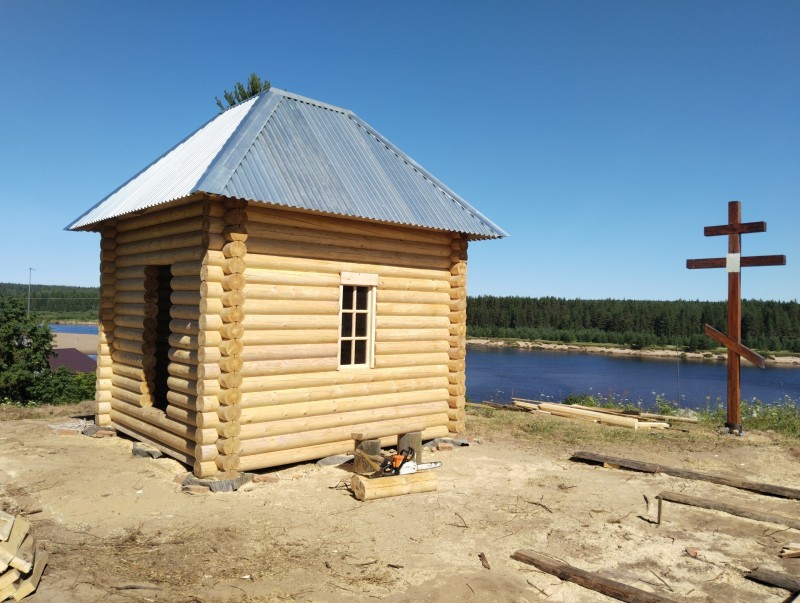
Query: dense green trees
point(255, 85)
point(766, 325)
point(57, 302)
point(25, 375)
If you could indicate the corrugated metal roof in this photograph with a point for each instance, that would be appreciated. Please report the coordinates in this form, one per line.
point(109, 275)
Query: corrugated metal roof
point(291, 151)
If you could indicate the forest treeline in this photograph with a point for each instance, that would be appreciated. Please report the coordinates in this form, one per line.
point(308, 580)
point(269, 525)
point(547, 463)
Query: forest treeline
point(57, 302)
point(766, 325)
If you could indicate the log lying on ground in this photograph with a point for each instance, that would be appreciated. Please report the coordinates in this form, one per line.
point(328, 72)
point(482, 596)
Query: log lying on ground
point(365, 488)
point(773, 578)
point(638, 414)
point(704, 503)
point(645, 467)
point(589, 580)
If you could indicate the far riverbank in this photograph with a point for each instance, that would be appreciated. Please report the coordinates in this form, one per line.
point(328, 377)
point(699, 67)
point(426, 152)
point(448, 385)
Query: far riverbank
point(713, 356)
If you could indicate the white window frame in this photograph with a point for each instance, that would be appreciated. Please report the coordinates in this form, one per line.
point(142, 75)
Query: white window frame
point(370, 282)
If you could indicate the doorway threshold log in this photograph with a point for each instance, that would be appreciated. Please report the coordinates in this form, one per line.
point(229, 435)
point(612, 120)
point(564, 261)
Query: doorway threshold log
point(592, 581)
point(645, 467)
point(705, 503)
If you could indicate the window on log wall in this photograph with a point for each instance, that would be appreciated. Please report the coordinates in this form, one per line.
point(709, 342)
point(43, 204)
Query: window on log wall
point(357, 320)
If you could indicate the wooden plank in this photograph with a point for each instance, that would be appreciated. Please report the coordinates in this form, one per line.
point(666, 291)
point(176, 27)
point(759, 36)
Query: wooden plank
point(705, 503)
point(6, 522)
point(9, 548)
point(737, 347)
point(773, 578)
point(590, 580)
point(645, 467)
point(29, 585)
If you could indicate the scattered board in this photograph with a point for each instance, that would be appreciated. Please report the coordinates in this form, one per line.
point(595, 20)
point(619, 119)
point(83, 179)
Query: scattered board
point(21, 561)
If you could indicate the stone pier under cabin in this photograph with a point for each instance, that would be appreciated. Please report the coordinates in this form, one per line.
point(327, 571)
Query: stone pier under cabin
point(280, 279)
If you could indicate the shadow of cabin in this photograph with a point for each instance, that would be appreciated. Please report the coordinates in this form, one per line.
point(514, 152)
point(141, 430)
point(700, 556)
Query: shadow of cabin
point(280, 279)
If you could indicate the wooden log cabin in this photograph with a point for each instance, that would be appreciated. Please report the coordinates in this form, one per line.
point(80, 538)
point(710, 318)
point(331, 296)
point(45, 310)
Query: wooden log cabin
point(279, 279)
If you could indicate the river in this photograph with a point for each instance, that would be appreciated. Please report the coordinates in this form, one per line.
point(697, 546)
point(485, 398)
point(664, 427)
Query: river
point(498, 373)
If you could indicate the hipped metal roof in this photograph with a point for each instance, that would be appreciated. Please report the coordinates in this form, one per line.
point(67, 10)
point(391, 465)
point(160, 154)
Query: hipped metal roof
point(287, 150)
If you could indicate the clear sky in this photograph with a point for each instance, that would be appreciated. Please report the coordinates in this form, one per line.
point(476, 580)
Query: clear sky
point(602, 135)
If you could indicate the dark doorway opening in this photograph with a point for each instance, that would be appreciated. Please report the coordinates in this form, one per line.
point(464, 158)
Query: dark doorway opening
point(163, 305)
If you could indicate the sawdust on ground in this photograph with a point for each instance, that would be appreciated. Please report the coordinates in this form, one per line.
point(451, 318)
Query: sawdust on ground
point(119, 529)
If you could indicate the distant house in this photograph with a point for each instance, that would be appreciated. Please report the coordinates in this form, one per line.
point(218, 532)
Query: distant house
point(279, 279)
point(73, 359)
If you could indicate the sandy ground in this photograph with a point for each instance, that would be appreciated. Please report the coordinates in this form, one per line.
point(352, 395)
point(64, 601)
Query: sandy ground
point(83, 343)
point(112, 521)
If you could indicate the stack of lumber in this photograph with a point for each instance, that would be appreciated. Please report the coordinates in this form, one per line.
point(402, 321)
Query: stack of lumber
point(21, 562)
point(605, 416)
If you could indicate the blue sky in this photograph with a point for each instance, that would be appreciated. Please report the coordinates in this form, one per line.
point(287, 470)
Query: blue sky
point(602, 135)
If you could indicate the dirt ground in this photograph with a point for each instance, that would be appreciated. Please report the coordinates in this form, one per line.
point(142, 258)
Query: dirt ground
point(119, 529)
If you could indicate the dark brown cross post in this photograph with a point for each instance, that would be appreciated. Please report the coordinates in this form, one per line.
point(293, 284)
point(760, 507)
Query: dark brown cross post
point(733, 263)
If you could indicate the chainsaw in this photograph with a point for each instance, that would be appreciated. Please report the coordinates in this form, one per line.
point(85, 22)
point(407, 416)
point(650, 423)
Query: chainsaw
point(403, 463)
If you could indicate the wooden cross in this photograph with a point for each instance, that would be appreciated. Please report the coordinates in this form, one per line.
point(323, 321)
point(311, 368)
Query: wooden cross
point(734, 262)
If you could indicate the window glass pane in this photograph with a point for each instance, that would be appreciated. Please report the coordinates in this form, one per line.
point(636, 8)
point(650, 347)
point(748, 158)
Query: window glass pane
point(347, 297)
point(345, 352)
point(361, 298)
point(361, 351)
point(347, 324)
point(361, 325)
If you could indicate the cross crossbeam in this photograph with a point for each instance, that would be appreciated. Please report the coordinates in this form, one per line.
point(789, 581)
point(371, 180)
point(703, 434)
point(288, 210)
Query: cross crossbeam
point(734, 262)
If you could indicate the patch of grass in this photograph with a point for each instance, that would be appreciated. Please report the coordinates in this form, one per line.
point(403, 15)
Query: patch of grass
point(14, 412)
point(782, 416)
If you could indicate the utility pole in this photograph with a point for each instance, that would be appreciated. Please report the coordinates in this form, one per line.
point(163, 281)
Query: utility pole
point(30, 272)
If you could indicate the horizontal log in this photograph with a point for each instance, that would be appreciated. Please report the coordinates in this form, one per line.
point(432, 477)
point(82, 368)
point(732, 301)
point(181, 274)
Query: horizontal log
point(138, 335)
point(334, 434)
point(411, 322)
point(204, 454)
point(232, 330)
point(137, 285)
point(131, 372)
point(229, 413)
point(386, 283)
point(407, 335)
point(229, 462)
point(234, 314)
point(290, 322)
point(184, 326)
point(187, 298)
point(193, 387)
point(158, 258)
point(234, 266)
point(308, 401)
point(327, 224)
point(259, 231)
point(260, 337)
point(212, 273)
point(258, 277)
point(182, 341)
point(365, 488)
point(230, 429)
point(297, 455)
point(231, 364)
point(457, 426)
point(185, 313)
point(589, 580)
point(211, 305)
point(405, 360)
point(186, 283)
point(291, 306)
point(339, 419)
point(256, 293)
point(230, 380)
point(134, 347)
point(228, 445)
point(136, 386)
point(142, 309)
point(157, 419)
point(204, 469)
point(194, 403)
point(183, 211)
point(290, 263)
point(231, 347)
point(337, 377)
point(160, 242)
point(234, 282)
point(129, 397)
point(182, 456)
point(252, 370)
point(190, 268)
point(229, 298)
point(209, 288)
point(210, 322)
point(411, 346)
point(234, 249)
point(198, 371)
point(132, 359)
point(645, 467)
point(777, 579)
point(425, 298)
point(290, 351)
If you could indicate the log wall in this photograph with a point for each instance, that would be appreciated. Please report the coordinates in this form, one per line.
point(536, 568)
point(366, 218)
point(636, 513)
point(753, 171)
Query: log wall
point(295, 403)
point(180, 419)
point(253, 376)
